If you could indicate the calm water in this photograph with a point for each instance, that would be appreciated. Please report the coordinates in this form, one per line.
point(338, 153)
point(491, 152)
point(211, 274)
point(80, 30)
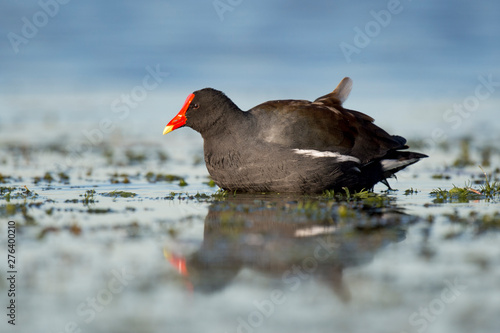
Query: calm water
point(89, 82)
point(250, 263)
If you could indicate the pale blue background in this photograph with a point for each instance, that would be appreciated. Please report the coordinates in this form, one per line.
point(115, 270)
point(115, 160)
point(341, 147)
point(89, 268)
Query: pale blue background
point(427, 58)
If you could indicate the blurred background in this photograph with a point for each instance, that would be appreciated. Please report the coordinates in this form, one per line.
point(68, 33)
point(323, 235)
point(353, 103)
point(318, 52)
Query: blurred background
point(66, 65)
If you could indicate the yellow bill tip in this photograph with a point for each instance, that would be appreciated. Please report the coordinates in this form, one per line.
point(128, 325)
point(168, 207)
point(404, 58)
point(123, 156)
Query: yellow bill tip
point(168, 129)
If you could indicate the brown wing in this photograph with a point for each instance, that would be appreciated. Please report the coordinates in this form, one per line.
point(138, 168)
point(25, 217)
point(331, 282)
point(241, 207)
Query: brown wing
point(301, 125)
point(324, 125)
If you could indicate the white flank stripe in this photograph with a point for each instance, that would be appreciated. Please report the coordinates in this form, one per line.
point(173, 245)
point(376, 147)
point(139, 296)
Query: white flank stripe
point(318, 154)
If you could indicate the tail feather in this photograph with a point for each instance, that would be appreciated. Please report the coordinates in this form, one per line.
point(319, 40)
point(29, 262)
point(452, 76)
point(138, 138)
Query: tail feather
point(339, 95)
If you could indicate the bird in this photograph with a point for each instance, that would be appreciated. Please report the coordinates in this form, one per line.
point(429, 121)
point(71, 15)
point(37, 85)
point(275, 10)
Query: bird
point(292, 146)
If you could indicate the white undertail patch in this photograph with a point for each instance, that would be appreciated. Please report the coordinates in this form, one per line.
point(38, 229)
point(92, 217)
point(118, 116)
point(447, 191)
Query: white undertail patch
point(394, 164)
point(321, 154)
point(315, 231)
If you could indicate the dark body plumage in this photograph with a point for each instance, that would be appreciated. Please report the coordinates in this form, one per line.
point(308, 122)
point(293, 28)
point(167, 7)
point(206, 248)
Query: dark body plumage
point(294, 145)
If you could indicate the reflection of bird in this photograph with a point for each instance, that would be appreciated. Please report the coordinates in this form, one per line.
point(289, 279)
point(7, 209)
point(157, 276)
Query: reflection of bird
point(275, 240)
point(292, 145)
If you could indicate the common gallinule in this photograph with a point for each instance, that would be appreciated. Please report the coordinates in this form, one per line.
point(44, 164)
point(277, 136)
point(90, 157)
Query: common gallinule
point(292, 145)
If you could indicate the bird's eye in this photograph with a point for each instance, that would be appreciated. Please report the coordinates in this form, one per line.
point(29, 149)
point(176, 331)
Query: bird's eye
point(195, 106)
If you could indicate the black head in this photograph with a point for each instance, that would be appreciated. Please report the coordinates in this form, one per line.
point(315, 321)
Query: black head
point(203, 111)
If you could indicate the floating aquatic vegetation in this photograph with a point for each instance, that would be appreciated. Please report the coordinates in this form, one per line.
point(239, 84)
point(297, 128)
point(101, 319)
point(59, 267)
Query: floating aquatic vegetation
point(4, 179)
point(440, 176)
point(122, 178)
point(410, 191)
point(487, 191)
point(159, 177)
point(464, 158)
point(135, 157)
point(367, 198)
point(122, 194)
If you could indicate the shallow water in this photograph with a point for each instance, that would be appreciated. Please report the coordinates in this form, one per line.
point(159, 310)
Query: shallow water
point(172, 259)
point(181, 259)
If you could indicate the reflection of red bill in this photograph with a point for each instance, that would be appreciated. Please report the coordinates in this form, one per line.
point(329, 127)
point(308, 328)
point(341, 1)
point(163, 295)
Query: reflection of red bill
point(179, 263)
